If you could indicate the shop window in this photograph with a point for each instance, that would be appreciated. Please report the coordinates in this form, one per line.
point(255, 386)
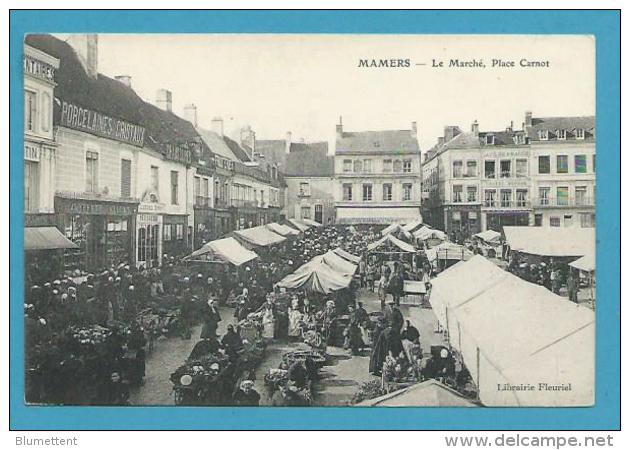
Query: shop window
point(367, 192)
point(457, 169)
point(387, 192)
point(489, 169)
point(544, 164)
point(347, 192)
point(458, 190)
point(91, 171)
point(580, 163)
point(554, 221)
point(562, 164)
point(30, 110)
point(407, 191)
point(174, 187)
point(125, 178)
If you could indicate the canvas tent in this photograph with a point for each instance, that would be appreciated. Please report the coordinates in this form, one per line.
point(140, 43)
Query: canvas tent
point(489, 236)
point(449, 251)
point(337, 263)
point(282, 230)
point(396, 230)
point(550, 241)
point(45, 238)
point(512, 333)
point(412, 226)
point(315, 276)
point(259, 236)
point(586, 263)
point(346, 255)
point(299, 225)
point(425, 233)
point(394, 241)
point(226, 250)
point(429, 393)
point(312, 223)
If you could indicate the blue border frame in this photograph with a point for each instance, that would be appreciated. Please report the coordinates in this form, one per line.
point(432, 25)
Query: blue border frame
point(604, 25)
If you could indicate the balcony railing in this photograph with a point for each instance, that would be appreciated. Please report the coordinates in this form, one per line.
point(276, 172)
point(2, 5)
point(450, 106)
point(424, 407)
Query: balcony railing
point(564, 202)
point(506, 204)
point(238, 203)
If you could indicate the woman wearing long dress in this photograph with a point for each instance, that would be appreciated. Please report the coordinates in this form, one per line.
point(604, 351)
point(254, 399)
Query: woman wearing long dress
point(268, 320)
point(295, 317)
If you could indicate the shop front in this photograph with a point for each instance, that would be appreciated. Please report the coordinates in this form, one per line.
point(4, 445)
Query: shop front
point(496, 220)
point(462, 222)
point(149, 225)
point(102, 230)
point(176, 235)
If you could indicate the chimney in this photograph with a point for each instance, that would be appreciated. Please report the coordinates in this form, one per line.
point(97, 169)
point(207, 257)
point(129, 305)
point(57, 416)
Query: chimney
point(217, 125)
point(190, 113)
point(475, 128)
point(450, 131)
point(287, 143)
point(340, 128)
point(414, 129)
point(124, 79)
point(164, 100)
point(248, 138)
point(440, 141)
point(86, 48)
point(528, 118)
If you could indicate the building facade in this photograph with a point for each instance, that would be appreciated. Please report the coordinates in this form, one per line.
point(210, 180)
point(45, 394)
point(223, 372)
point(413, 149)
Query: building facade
point(377, 176)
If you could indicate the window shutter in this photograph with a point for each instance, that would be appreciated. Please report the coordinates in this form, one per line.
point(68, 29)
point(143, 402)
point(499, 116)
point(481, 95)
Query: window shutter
point(125, 178)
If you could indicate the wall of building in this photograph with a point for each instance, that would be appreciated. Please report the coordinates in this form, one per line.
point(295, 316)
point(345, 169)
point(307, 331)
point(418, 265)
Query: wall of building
point(321, 193)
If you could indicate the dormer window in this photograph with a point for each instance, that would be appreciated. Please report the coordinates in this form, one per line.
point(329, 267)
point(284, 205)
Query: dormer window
point(543, 135)
point(579, 133)
point(489, 139)
point(561, 135)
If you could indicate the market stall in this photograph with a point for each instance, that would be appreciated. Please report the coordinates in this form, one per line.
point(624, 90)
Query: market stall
point(223, 250)
point(431, 235)
point(447, 253)
point(555, 242)
point(315, 276)
point(347, 256)
point(398, 231)
point(429, 393)
point(585, 267)
point(510, 333)
point(299, 225)
point(413, 226)
point(489, 242)
point(282, 230)
point(257, 237)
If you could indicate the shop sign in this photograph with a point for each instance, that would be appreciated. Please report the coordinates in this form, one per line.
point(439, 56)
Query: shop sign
point(150, 207)
point(93, 208)
point(179, 154)
point(505, 153)
point(31, 152)
point(89, 121)
point(39, 69)
point(149, 218)
point(506, 183)
point(40, 220)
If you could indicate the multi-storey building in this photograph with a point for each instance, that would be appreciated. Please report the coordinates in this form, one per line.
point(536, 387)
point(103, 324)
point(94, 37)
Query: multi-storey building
point(309, 174)
point(377, 176)
point(562, 170)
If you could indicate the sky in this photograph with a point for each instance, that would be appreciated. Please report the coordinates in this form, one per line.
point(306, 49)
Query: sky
point(304, 83)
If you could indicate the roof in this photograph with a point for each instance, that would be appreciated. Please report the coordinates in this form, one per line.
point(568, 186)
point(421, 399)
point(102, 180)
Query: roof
point(550, 241)
point(387, 141)
point(390, 239)
point(217, 144)
point(282, 230)
point(238, 151)
point(309, 160)
point(315, 276)
point(569, 124)
point(259, 236)
point(586, 263)
point(228, 249)
point(45, 238)
point(489, 236)
point(274, 150)
point(111, 97)
point(428, 393)
point(348, 256)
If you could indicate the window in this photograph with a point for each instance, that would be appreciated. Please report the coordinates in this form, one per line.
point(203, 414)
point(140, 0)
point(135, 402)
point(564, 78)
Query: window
point(538, 220)
point(490, 139)
point(347, 165)
point(179, 230)
point(561, 134)
point(367, 192)
point(31, 186)
point(521, 198)
point(593, 163)
point(472, 194)
point(506, 198)
point(490, 198)
point(306, 212)
point(205, 191)
point(305, 189)
point(91, 171)
point(587, 220)
point(30, 110)
point(387, 192)
point(45, 111)
point(562, 196)
point(347, 192)
point(387, 165)
point(562, 164)
point(521, 168)
point(406, 191)
point(580, 196)
point(458, 191)
point(125, 178)
point(367, 166)
point(457, 169)
point(196, 186)
point(358, 166)
point(554, 221)
point(471, 169)
point(544, 164)
point(174, 187)
point(543, 135)
point(580, 163)
point(506, 168)
point(166, 233)
point(155, 177)
point(407, 166)
point(568, 220)
point(579, 133)
point(398, 166)
point(543, 196)
point(489, 168)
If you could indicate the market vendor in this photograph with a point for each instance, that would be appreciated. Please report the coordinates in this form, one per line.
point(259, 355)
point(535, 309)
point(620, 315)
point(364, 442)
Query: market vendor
point(388, 344)
point(295, 318)
point(269, 317)
point(246, 394)
point(329, 319)
point(211, 319)
point(205, 347)
point(114, 392)
point(232, 341)
point(289, 395)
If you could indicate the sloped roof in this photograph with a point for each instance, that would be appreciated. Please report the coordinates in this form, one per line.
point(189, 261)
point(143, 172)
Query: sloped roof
point(236, 149)
point(550, 241)
point(569, 124)
point(309, 160)
point(274, 150)
point(111, 97)
point(386, 141)
point(217, 144)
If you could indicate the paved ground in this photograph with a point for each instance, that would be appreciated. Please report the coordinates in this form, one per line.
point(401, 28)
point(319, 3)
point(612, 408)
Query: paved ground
point(339, 381)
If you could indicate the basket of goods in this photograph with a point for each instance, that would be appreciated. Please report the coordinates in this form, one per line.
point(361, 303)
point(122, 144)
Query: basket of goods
point(318, 358)
point(250, 329)
point(274, 377)
point(206, 381)
point(314, 339)
point(252, 354)
point(398, 373)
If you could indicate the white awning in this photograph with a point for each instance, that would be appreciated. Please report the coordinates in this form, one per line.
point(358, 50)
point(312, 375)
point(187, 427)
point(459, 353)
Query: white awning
point(228, 250)
point(490, 236)
point(259, 236)
point(402, 245)
point(45, 238)
point(349, 256)
point(425, 233)
point(586, 263)
point(551, 241)
point(282, 230)
point(299, 224)
point(377, 215)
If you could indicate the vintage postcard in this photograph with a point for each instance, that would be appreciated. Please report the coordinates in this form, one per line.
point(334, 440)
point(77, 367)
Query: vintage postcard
point(282, 220)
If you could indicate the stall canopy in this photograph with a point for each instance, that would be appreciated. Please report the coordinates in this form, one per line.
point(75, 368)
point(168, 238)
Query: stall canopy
point(586, 263)
point(299, 224)
point(551, 241)
point(346, 255)
point(425, 233)
point(490, 236)
point(315, 277)
point(449, 251)
point(397, 230)
point(312, 223)
point(338, 264)
point(428, 393)
point(393, 240)
point(259, 236)
point(227, 250)
point(412, 226)
point(514, 333)
point(282, 230)
point(45, 238)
